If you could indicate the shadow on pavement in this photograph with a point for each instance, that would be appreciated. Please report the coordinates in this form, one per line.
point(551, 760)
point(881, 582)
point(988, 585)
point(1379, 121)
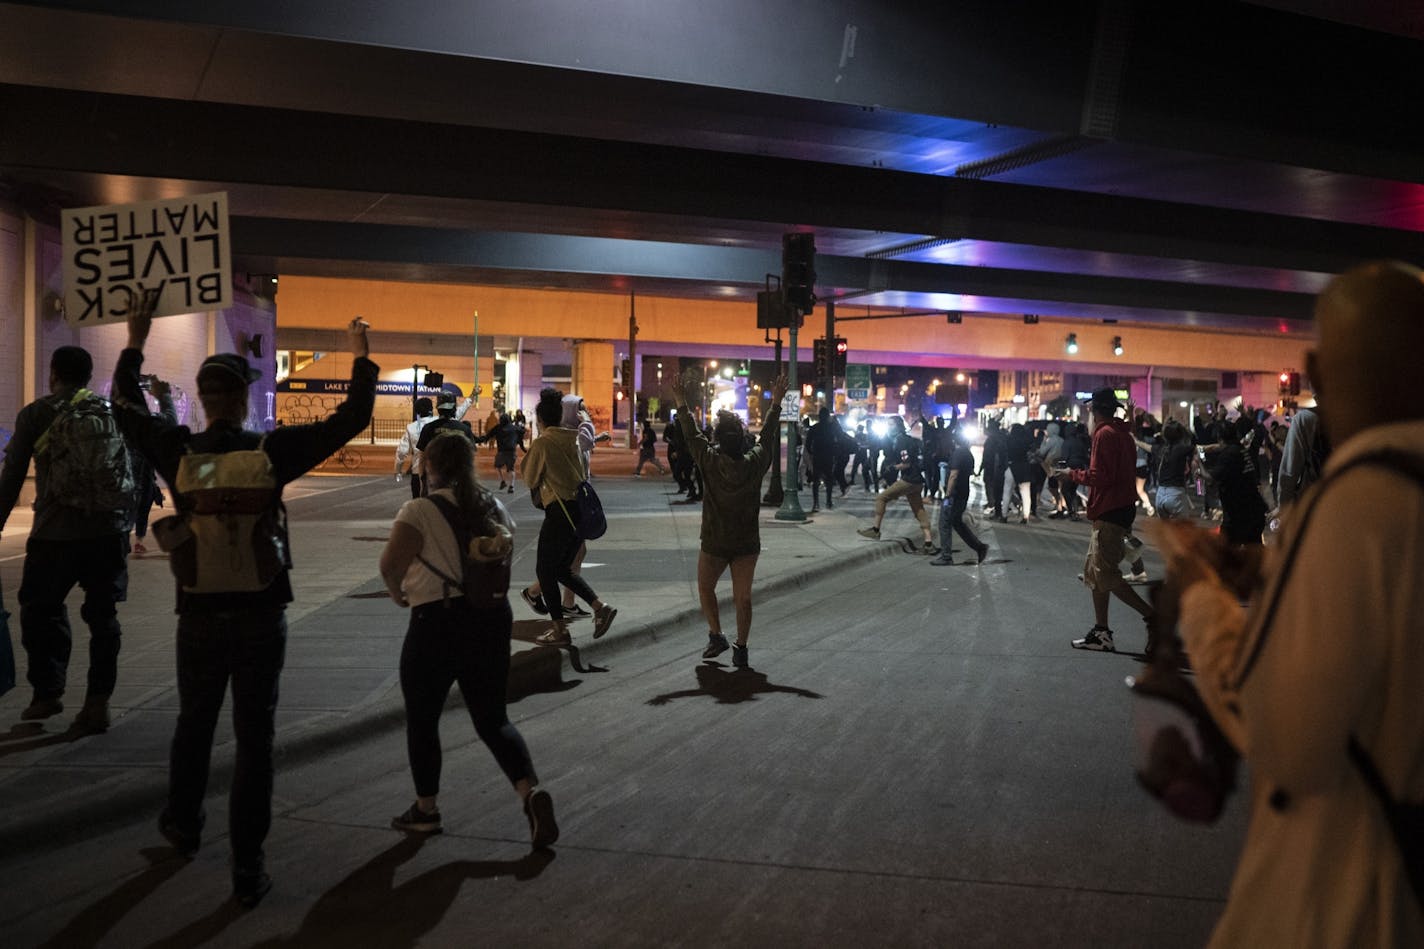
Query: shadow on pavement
point(730, 686)
point(368, 909)
point(528, 630)
point(91, 924)
point(27, 736)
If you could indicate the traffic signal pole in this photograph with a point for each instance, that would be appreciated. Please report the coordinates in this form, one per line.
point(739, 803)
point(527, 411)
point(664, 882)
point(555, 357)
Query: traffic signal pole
point(790, 509)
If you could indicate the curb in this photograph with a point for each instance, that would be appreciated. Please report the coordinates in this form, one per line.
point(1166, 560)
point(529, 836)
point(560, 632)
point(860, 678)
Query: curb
point(531, 670)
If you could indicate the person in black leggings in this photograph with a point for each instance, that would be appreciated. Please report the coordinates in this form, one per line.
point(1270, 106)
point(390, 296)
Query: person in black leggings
point(451, 640)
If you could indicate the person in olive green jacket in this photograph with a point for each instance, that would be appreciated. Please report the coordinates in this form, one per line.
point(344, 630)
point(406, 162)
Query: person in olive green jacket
point(731, 536)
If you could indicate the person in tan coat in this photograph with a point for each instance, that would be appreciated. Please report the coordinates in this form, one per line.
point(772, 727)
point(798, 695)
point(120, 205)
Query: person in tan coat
point(1329, 652)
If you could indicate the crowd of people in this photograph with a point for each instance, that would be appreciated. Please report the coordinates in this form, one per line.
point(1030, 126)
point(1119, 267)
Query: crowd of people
point(1313, 682)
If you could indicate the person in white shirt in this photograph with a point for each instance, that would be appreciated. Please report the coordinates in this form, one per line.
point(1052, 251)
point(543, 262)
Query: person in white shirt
point(424, 412)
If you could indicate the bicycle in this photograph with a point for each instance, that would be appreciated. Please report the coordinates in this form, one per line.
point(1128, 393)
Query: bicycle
point(347, 457)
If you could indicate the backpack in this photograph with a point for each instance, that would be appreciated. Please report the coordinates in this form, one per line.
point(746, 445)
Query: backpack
point(592, 524)
point(484, 581)
point(88, 459)
point(231, 534)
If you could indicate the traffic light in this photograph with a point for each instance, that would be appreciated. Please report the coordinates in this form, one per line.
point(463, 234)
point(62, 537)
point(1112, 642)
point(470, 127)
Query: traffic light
point(1284, 388)
point(798, 270)
point(823, 367)
point(838, 361)
point(1295, 383)
point(626, 373)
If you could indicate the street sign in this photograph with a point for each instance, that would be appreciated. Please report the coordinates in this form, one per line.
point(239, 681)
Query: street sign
point(857, 376)
point(857, 395)
point(791, 405)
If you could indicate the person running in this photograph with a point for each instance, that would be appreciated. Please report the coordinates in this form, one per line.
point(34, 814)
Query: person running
point(451, 640)
point(554, 468)
point(648, 451)
point(730, 537)
point(956, 500)
point(1112, 506)
point(405, 448)
point(905, 458)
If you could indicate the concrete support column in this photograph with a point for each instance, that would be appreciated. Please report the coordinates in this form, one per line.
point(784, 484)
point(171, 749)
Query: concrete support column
point(593, 380)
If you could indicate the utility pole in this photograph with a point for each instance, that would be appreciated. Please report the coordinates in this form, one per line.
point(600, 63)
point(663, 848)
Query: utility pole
point(628, 384)
point(829, 382)
point(790, 509)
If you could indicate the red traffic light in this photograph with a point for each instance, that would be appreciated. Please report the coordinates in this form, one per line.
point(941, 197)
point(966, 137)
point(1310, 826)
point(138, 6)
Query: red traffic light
point(1285, 378)
point(841, 347)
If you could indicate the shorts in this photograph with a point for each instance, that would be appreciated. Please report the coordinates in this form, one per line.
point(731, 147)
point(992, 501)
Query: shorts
point(504, 459)
point(1106, 548)
point(1142, 472)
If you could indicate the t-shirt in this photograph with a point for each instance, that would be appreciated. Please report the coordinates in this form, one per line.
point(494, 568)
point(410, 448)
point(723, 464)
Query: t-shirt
point(421, 585)
point(961, 463)
point(1176, 461)
point(907, 450)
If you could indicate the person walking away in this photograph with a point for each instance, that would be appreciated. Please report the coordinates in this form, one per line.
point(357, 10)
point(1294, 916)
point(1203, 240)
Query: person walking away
point(506, 437)
point(1303, 457)
point(992, 468)
point(1112, 506)
point(648, 451)
point(1050, 453)
point(730, 535)
point(862, 463)
point(821, 441)
point(229, 553)
point(452, 640)
point(1316, 683)
point(410, 437)
point(147, 492)
point(905, 459)
point(575, 416)
point(1020, 451)
point(84, 493)
point(956, 501)
point(1077, 451)
point(553, 468)
point(1232, 468)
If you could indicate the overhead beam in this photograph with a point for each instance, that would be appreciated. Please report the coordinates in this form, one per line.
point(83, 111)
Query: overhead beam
point(88, 132)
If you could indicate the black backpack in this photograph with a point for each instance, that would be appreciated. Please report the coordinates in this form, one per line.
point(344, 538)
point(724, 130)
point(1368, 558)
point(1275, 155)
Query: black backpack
point(87, 460)
point(484, 583)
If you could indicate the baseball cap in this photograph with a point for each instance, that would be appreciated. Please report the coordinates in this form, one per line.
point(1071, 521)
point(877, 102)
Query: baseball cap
point(1105, 397)
point(226, 371)
point(446, 400)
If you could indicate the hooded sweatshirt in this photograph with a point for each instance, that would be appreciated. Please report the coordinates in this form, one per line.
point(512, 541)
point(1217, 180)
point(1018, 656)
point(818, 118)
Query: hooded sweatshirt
point(1111, 475)
point(553, 466)
point(574, 421)
point(731, 500)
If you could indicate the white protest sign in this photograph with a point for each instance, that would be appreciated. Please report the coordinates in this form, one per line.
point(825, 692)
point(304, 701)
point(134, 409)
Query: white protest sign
point(113, 252)
point(791, 405)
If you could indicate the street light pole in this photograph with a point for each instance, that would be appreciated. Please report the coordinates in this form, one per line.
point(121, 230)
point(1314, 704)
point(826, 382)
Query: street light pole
point(775, 493)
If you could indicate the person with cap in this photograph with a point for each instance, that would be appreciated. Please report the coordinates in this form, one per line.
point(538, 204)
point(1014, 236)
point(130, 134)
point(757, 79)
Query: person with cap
point(424, 412)
point(507, 436)
point(730, 535)
point(1112, 506)
point(233, 630)
point(70, 544)
point(451, 419)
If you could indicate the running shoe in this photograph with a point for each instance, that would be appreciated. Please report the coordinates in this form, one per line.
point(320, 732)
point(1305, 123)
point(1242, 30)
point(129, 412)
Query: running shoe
point(716, 645)
point(1099, 639)
point(602, 619)
point(739, 657)
point(871, 532)
point(535, 601)
point(543, 829)
point(554, 636)
point(416, 821)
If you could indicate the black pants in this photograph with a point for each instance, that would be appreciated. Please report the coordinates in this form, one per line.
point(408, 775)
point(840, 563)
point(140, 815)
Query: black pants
point(448, 643)
point(553, 563)
point(247, 647)
point(951, 516)
point(822, 472)
point(863, 466)
point(52, 568)
point(1037, 478)
point(416, 489)
point(994, 487)
point(839, 472)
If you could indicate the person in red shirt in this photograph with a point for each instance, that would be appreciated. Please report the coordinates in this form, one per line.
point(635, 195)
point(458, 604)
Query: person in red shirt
point(1112, 505)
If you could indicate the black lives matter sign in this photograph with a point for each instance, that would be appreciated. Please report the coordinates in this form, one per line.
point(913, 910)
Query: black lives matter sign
point(114, 252)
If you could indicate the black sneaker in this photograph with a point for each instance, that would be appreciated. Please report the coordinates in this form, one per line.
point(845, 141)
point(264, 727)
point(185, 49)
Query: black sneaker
point(1099, 639)
point(739, 656)
point(535, 601)
point(543, 829)
point(982, 552)
point(93, 718)
point(249, 888)
point(716, 645)
point(576, 612)
point(602, 619)
point(185, 843)
point(416, 821)
point(42, 708)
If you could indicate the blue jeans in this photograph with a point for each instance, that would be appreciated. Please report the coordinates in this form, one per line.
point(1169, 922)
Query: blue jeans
point(248, 647)
point(99, 566)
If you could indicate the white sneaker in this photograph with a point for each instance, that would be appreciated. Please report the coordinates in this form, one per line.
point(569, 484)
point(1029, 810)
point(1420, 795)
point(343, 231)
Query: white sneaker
point(1137, 577)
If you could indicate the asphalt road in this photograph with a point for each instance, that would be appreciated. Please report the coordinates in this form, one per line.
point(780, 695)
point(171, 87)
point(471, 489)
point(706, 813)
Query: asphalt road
point(916, 758)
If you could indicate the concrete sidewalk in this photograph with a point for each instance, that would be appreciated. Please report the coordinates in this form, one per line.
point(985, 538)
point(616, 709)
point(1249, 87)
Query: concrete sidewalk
point(340, 682)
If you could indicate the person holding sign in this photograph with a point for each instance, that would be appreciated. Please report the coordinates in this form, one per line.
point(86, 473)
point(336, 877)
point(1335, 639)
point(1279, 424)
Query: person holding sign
point(233, 584)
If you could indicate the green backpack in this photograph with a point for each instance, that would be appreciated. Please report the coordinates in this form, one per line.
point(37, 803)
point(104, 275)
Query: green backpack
point(87, 459)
